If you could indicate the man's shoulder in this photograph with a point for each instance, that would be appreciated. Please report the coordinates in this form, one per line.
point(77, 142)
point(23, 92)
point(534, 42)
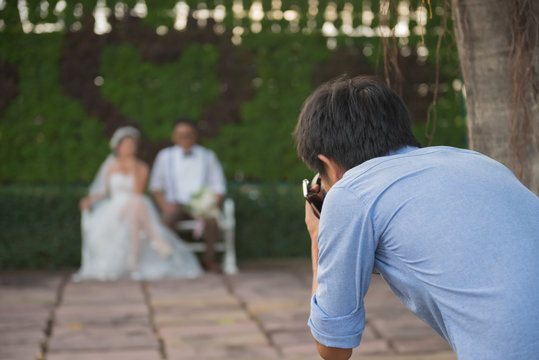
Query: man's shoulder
point(435, 156)
point(204, 150)
point(165, 151)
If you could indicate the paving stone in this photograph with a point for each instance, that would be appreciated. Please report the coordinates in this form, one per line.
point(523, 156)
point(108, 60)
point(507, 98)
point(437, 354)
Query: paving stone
point(224, 340)
point(210, 317)
point(303, 349)
point(275, 290)
point(369, 333)
point(102, 315)
point(366, 347)
point(386, 313)
point(22, 336)
point(425, 344)
point(102, 293)
point(21, 317)
point(19, 351)
point(417, 356)
point(207, 284)
point(25, 297)
point(96, 338)
point(284, 326)
point(200, 317)
point(140, 354)
point(373, 346)
point(293, 320)
point(298, 315)
point(380, 295)
point(223, 353)
point(404, 326)
point(208, 330)
point(257, 308)
point(198, 302)
point(291, 338)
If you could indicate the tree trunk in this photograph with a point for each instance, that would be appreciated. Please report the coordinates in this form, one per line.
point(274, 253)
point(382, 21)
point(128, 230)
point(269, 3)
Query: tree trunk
point(483, 30)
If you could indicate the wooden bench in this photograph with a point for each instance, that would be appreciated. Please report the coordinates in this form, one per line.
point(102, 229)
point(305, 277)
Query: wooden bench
point(227, 225)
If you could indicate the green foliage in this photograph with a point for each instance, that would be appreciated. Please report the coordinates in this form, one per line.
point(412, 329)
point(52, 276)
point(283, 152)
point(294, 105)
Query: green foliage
point(447, 125)
point(156, 96)
point(160, 13)
point(45, 135)
point(284, 79)
point(41, 225)
point(270, 220)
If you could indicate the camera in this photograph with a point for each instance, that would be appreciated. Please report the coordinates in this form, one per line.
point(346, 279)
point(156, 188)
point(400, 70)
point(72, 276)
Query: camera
point(314, 193)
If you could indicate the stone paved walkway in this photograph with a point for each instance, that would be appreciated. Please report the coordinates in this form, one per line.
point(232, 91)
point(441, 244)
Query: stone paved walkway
point(258, 314)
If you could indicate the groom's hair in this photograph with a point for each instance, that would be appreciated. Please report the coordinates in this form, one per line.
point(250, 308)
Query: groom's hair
point(187, 121)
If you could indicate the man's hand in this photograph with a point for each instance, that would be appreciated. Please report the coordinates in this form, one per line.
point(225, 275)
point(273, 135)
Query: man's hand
point(167, 207)
point(311, 221)
point(164, 206)
point(331, 353)
point(219, 199)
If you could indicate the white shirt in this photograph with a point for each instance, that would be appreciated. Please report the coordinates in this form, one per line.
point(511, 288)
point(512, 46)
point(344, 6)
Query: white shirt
point(179, 175)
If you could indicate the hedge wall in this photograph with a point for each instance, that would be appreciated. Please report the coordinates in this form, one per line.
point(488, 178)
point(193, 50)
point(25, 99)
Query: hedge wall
point(64, 93)
point(41, 224)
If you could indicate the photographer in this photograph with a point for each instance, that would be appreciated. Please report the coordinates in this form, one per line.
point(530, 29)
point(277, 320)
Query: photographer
point(453, 233)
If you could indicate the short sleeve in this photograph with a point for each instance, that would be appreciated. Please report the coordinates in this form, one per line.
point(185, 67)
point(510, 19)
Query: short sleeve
point(345, 261)
point(216, 179)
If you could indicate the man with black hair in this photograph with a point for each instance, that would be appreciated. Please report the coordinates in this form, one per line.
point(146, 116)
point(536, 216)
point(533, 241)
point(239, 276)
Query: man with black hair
point(186, 171)
point(453, 233)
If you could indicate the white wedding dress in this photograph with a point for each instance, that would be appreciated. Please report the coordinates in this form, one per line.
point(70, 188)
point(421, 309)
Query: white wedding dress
point(115, 224)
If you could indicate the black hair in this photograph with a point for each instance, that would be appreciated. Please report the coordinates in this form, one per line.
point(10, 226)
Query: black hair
point(187, 121)
point(351, 121)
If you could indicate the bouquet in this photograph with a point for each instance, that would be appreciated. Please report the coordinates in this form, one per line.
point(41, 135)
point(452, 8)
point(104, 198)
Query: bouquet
point(203, 204)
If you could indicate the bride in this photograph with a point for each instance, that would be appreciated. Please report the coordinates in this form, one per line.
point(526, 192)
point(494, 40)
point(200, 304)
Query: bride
point(122, 236)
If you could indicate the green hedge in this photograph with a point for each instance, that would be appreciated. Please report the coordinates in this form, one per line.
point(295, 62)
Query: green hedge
point(45, 135)
point(155, 95)
point(55, 126)
point(40, 227)
point(41, 224)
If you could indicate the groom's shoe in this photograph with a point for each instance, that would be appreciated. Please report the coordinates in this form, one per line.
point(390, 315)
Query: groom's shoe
point(211, 266)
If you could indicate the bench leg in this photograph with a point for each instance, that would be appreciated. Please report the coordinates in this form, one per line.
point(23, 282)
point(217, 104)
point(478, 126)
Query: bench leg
point(230, 266)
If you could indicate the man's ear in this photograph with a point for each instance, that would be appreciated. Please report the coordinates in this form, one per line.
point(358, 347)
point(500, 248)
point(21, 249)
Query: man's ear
point(335, 171)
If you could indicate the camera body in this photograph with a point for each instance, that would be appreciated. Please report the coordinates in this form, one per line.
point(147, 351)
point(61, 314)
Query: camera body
point(314, 193)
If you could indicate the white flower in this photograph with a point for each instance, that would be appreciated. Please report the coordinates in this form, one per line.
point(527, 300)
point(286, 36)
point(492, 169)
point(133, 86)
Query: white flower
point(202, 203)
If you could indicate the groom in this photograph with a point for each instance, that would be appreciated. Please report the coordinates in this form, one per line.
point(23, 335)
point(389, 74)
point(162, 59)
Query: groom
point(182, 170)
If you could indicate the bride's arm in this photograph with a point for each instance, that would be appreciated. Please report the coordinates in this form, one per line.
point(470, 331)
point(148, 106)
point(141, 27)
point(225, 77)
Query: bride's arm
point(141, 177)
point(86, 202)
point(99, 188)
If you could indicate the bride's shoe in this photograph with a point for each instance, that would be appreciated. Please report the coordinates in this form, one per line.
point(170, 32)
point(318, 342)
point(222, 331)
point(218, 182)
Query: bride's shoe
point(162, 247)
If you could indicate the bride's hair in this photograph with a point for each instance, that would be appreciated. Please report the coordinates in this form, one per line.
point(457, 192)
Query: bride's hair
point(99, 185)
point(121, 133)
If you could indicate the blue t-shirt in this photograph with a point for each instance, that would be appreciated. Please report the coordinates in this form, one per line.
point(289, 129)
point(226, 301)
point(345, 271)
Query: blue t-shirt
point(453, 233)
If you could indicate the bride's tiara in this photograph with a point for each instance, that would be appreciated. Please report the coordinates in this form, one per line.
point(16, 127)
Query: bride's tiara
point(120, 133)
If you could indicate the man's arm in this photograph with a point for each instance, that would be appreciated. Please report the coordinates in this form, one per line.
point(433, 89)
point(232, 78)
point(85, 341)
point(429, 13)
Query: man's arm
point(159, 199)
point(215, 178)
point(330, 353)
point(312, 222)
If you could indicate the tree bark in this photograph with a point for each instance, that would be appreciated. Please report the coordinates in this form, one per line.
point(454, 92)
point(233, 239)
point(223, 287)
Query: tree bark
point(483, 30)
